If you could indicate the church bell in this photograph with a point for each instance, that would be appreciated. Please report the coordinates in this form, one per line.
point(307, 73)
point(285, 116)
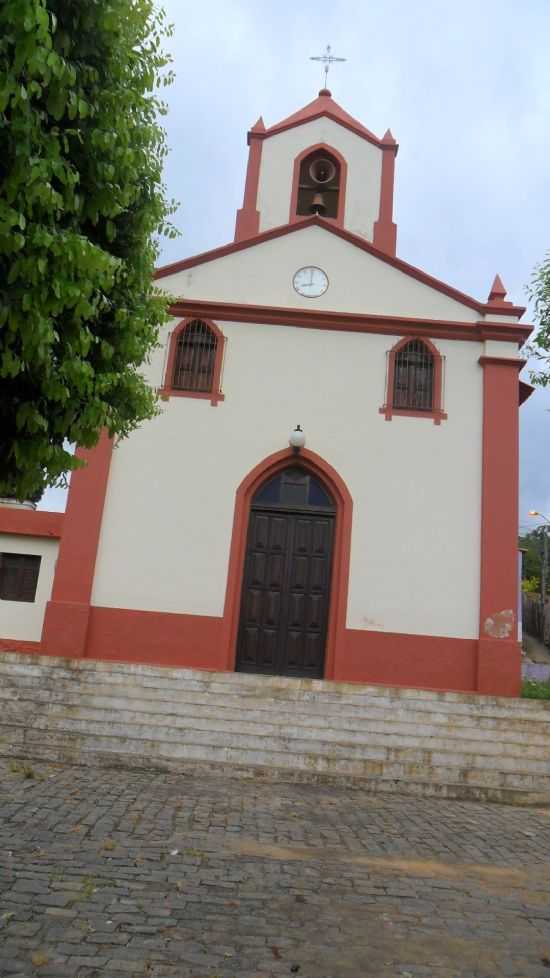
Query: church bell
point(318, 205)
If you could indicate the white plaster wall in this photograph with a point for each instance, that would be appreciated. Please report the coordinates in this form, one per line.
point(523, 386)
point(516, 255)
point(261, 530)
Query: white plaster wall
point(416, 486)
point(22, 620)
point(358, 282)
point(500, 348)
point(364, 162)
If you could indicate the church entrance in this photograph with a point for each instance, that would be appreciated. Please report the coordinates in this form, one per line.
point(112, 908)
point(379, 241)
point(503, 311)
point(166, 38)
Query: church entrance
point(287, 574)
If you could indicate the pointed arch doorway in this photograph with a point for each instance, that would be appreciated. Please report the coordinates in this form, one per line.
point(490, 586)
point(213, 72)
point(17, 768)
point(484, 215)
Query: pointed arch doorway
point(286, 587)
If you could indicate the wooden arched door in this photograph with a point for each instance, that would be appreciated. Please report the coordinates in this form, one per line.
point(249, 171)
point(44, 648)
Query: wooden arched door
point(287, 574)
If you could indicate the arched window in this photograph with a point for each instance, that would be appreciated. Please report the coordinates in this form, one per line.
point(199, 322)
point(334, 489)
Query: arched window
point(294, 487)
point(195, 358)
point(194, 361)
point(414, 381)
point(319, 185)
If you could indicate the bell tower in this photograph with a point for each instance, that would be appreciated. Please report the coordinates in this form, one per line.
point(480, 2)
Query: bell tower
point(322, 161)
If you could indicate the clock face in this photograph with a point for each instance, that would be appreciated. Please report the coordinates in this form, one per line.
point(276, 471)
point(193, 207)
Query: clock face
point(310, 281)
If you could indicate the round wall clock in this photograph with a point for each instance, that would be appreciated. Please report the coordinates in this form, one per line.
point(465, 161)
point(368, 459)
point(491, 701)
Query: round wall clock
point(310, 281)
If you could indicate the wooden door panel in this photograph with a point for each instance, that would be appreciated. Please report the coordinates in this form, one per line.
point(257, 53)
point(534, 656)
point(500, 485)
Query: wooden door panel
point(319, 567)
point(258, 563)
point(296, 610)
point(275, 570)
point(309, 582)
point(254, 606)
point(284, 610)
point(278, 534)
point(315, 609)
point(294, 651)
point(271, 609)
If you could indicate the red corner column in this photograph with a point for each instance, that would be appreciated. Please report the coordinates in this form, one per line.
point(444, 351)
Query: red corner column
point(248, 217)
point(385, 231)
point(67, 614)
point(499, 655)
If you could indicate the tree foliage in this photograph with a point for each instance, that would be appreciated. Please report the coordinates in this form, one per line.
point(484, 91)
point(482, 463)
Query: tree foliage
point(539, 293)
point(532, 544)
point(81, 205)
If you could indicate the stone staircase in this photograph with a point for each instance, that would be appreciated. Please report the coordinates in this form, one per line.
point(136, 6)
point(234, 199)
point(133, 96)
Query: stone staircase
point(453, 745)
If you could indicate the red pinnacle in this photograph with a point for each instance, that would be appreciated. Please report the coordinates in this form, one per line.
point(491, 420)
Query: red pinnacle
point(498, 292)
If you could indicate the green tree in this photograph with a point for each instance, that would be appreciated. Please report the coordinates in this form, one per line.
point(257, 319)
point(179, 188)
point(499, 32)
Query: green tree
point(532, 544)
point(539, 348)
point(82, 204)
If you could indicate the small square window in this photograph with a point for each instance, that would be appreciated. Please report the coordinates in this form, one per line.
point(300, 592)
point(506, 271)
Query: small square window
point(19, 576)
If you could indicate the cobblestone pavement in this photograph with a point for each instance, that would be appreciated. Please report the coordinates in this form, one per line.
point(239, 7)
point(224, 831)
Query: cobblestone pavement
point(115, 873)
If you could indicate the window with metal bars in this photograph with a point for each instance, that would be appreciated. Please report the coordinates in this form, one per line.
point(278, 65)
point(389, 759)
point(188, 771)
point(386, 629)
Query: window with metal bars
point(413, 378)
point(19, 576)
point(195, 358)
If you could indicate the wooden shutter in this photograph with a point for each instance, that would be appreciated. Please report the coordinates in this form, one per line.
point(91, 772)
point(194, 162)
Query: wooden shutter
point(19, 576)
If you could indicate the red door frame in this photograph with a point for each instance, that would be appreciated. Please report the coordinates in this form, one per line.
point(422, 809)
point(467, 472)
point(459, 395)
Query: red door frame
point(341, 555)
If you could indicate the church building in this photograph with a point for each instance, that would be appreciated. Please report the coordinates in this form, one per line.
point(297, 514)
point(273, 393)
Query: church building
point(330, 489)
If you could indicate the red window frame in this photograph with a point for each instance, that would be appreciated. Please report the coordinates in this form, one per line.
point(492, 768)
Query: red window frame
point(214, 395)
point(436, 412)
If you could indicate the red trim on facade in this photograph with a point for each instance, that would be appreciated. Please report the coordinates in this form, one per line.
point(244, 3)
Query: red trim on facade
point(437, 414)
point(385, 231)
point(516, 362)
point(341, 555)
point(31, 523)
point(323, 105)
point(156, 637)
point(354, 239)
point(197, 642)
point(351, 322)
point(339, 219)
point(215, 395)
point(499, 657)
point(67, 614)
point(19, 645)
point(395, 659)
point(248, 217)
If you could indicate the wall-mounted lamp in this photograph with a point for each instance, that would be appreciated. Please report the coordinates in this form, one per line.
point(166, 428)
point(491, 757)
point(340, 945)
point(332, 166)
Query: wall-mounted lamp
point(297, 439)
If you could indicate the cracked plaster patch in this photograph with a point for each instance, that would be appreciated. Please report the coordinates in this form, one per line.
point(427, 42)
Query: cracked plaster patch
point(500, 624)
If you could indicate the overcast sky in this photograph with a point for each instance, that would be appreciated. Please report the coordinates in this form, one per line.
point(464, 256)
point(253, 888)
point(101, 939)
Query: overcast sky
point(463, 87)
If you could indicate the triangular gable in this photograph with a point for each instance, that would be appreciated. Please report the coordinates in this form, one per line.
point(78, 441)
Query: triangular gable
point(360, 245)
point(323, 105)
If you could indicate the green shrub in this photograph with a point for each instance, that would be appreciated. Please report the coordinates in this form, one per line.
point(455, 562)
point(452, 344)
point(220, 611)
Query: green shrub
point(531, 689)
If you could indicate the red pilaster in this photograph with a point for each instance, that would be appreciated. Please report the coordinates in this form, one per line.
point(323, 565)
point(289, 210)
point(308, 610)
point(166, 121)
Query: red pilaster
point(67, 614)
point(248, 218)
point(385, 231)
point(499, 658)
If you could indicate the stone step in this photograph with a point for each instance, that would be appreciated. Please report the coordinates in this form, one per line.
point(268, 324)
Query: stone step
point(361, 730)
point(149, 674)
point(273, 686)
point(71, 747)
point(382, 738)
point(296, 746)
point(261, 695)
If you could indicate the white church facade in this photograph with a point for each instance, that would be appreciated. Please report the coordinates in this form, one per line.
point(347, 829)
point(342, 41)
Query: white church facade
point(381, 545)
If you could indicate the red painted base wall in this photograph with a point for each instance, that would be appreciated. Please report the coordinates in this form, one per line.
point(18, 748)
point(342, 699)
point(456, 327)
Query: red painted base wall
point(197, 642)
point(408, 660)
point(157, 638)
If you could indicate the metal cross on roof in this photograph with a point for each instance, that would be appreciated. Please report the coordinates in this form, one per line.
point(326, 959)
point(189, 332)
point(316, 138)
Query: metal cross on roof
point(327, 59)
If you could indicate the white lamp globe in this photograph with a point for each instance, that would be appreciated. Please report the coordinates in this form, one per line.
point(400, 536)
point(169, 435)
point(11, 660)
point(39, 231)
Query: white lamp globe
point(297, 438)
